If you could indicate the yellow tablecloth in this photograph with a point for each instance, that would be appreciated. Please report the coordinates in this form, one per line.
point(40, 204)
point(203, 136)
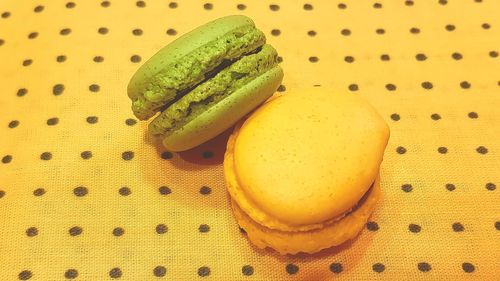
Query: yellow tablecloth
point(85, 194)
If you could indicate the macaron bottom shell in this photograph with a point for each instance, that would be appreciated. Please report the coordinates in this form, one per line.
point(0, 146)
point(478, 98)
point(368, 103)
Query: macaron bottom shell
point(219, 117)
point(334, 234)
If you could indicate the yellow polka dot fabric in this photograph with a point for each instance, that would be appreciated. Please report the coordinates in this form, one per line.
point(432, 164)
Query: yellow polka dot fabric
point(86, 194)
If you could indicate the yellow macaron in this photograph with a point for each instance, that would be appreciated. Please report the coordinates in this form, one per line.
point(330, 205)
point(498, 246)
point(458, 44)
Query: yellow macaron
point(302, 169)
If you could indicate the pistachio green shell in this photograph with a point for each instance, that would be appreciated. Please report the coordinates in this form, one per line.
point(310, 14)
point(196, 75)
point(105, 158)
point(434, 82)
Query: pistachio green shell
point(219, 117)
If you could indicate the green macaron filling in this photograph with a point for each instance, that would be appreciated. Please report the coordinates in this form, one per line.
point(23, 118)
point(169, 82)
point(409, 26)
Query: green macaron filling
point(176, 79)
point(213, 90)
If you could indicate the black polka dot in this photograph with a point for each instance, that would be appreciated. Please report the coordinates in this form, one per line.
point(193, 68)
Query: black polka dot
point(308, 7)
point(442, 150)
point(25, 275)
point(130, 122)
point(52, 121)
point(427, 85)
point(159, 271)
point(414, 30)
point(204, 228)
point(105, 4)
point(94, 88)
point(57, 89)
point(140, 4)
point(457, 227)
point(468, 267)
point(203, 271)
point(486, 26)
point(161, 229)
point(135, 58)
point(21, 92)
point(281, 88)
point(390, 87)
point(380, 31)
point(61, 58)
point(291, 268)
point(207, 154)
point(482, 150)
point(435, 116)
point(70, 5)
point(86, 154)
point(313, 59)
point(497, 225)
point(2, 193)
point(415, 228)
point(7, 159)
point(409, 3)
point(39, 192)
point(478, 1)
point(71, 274)
point(164, 190)
point(342, 6)
point(205, 190)
point(98, 59)
point(377, 5)
point(443, 2)
point(171, 32)
point(275, 32)
point(65, 31)
point(274, 7)
point(372, 226)
point(172, 5)
point(493, 54)
point(92, 119)
point(103, 30)
point(32, 231)
point(38, 9)
point(465, 85)
point(247, 270)
point(46, 156)
point(378, 267)
point(349, 59)
point(450, 27)
point(13, 124)
point(2, 42)
point(118, 231)
point(353, 87)
point(241, 7)
point(208, 6)
point(424, 267)
point(27, 62)
point(127, 155)
point(456, 56)
point(421, 57)
point(137, 32)
point(407, 187)
point(115, 273)
point(401, 150)
point(336, 267)
point(80, 191)
point(311, 33)
point(450, 186)
point(5, 15)
point(167, 155)
point(395, 117)
point(491, 186)
point(345, 32)
point(279, 59)
point(75, 231)
point(124, 191)
point(33, 35)
point(385, 57)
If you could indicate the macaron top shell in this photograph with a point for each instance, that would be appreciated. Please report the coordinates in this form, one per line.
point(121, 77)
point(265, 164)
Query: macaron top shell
point(308, 156)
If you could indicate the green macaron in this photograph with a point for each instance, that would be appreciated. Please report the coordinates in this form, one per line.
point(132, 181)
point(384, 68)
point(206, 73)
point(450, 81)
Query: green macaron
point(205, 81)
